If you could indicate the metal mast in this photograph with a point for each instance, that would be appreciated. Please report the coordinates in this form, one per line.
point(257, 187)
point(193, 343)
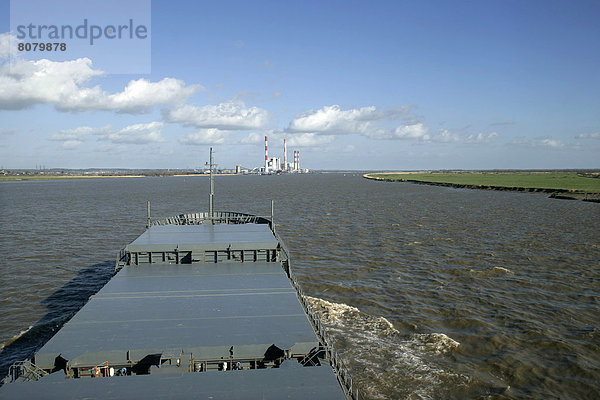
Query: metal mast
point(212, 188)
point(148, 223)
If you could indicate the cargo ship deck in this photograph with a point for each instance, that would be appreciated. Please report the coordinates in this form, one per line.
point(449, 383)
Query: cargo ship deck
point(203, 310)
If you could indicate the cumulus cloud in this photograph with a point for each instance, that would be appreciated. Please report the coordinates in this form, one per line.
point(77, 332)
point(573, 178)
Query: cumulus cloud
point(5, 39)
point(309, 140)
point(420, 133)
point(132, 134)
point(73, 138)
point(414, 131)
point(303, 139)
point(136, 134)
point(481, 137)
point(232, 115)
point(253, 138)
point(547, 142)
point(205, 137)
point(373, 123)
point(138, 96)
point(445, 136)
point(26, 83)
point(333, 120)
point(71, 144)
point(79, 133)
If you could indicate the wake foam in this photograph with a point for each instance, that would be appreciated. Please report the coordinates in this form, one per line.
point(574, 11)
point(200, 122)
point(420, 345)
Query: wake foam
point(436, 343)
point(18, 335)
point(386, 363)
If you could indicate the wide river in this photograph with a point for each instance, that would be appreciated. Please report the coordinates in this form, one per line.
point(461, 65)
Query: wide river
point(428, 292)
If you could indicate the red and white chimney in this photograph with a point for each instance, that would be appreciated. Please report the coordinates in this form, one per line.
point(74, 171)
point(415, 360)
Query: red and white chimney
point(284, 154)
point(266, 155)
point(296, 159)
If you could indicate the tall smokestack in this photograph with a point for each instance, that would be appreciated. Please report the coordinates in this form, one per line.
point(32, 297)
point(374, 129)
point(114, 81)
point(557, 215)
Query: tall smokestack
point(284, 154)
point(295, 160)
point(266, 155)
point(298, 161)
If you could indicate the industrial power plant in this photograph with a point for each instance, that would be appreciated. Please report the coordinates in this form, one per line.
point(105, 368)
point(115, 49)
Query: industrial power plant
point(270, 166)
point(274, 165)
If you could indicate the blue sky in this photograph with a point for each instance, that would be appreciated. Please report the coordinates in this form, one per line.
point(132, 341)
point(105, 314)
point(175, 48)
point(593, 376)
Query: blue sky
point(395, 85)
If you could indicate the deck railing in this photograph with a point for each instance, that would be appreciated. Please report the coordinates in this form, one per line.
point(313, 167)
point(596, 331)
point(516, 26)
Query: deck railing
point(24, 371)
point(219, 217)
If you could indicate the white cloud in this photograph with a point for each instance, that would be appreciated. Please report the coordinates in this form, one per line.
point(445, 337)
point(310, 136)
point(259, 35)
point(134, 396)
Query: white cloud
point(253, 138)
point(366, 121)
point(137, 97)
point(303, 139)
point(80, 133)
point(375, 124)
point(549, 142)
point(334, 120)
point(445, 136)
point(414, 131)
point(205, 137)
point(5, 39)
point(132, 134)
point(136, 134)
point(309, 140)
point(540, 142)
point(71, 144)
point(232, 115)
point(419, 132)
point(595, 135)
point(481, 137)
point(26, 83)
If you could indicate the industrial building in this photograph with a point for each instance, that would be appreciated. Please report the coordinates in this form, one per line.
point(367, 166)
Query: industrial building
point(275, 165)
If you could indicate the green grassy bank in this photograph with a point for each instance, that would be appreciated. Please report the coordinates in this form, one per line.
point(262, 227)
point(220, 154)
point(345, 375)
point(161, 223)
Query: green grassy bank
point(528, 181)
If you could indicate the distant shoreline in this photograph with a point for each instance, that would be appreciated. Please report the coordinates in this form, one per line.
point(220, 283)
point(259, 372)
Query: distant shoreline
point(516, 182)
point(24, 178)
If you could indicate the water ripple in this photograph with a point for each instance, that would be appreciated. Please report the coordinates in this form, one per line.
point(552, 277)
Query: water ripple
point(429, 292)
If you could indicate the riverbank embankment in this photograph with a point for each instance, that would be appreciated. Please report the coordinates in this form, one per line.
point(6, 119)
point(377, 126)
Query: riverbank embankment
point(560, 185)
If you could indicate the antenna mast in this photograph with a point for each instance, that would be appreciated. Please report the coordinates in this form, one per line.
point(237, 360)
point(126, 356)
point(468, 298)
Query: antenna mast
point(149, 222)
point(212, 189)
